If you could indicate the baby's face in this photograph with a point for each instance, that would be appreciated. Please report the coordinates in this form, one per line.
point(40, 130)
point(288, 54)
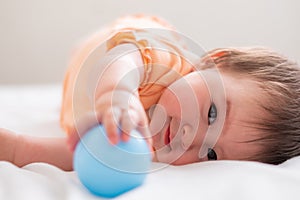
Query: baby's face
point(205, 117)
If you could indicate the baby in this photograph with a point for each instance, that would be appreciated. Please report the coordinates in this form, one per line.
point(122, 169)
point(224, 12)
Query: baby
point(230, 104)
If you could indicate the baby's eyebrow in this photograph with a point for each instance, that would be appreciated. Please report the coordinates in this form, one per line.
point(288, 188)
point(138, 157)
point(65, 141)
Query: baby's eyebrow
point(227, 114)
point(224, 153)
point(228, 108)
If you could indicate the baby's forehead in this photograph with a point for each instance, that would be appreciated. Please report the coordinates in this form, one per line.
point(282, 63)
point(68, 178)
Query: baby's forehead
point(243, 93)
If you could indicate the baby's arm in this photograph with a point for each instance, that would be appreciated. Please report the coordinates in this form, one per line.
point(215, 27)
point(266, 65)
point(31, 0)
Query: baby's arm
point(116, 96)
point(24, 149)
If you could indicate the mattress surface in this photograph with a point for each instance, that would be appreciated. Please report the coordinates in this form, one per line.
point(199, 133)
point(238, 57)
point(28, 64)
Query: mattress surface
point(34, 110)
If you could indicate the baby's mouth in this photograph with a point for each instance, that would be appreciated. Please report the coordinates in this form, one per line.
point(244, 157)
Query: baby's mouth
point(167, 136)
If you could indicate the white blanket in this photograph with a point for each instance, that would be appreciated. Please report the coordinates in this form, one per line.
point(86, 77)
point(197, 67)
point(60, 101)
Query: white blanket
point(34, 110)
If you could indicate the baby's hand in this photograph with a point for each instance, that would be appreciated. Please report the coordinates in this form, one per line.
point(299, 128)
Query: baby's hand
point(116, 109)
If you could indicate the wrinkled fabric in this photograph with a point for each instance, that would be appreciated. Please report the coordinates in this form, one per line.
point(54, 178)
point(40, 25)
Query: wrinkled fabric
point(34, 110)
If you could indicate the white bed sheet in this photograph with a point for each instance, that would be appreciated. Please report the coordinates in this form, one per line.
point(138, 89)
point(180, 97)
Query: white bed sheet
point(34, 110)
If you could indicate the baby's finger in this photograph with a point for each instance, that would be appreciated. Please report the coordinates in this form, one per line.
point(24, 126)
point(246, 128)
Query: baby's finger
point(129, 121)
point(143, 124)
point(111, 120)
point(146, 133)
point(143, 128)
point(72, 141)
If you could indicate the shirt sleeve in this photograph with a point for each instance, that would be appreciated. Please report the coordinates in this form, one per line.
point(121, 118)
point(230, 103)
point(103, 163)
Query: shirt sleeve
point(163, 58)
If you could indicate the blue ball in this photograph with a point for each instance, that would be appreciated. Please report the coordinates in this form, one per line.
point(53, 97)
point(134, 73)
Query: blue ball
point(109, 170)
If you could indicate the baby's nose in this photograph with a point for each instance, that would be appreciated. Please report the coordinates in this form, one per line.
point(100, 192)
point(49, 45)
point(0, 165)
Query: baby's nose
point(187, 137)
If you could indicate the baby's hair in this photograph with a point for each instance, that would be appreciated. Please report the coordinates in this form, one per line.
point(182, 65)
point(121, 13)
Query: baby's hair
point(279, 81)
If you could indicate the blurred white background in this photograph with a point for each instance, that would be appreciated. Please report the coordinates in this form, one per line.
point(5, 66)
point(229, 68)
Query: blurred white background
point(37, 35)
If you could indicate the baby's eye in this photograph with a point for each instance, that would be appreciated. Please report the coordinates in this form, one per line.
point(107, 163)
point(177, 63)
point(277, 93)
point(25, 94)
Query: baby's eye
point(212, 114)
point(211, 154)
